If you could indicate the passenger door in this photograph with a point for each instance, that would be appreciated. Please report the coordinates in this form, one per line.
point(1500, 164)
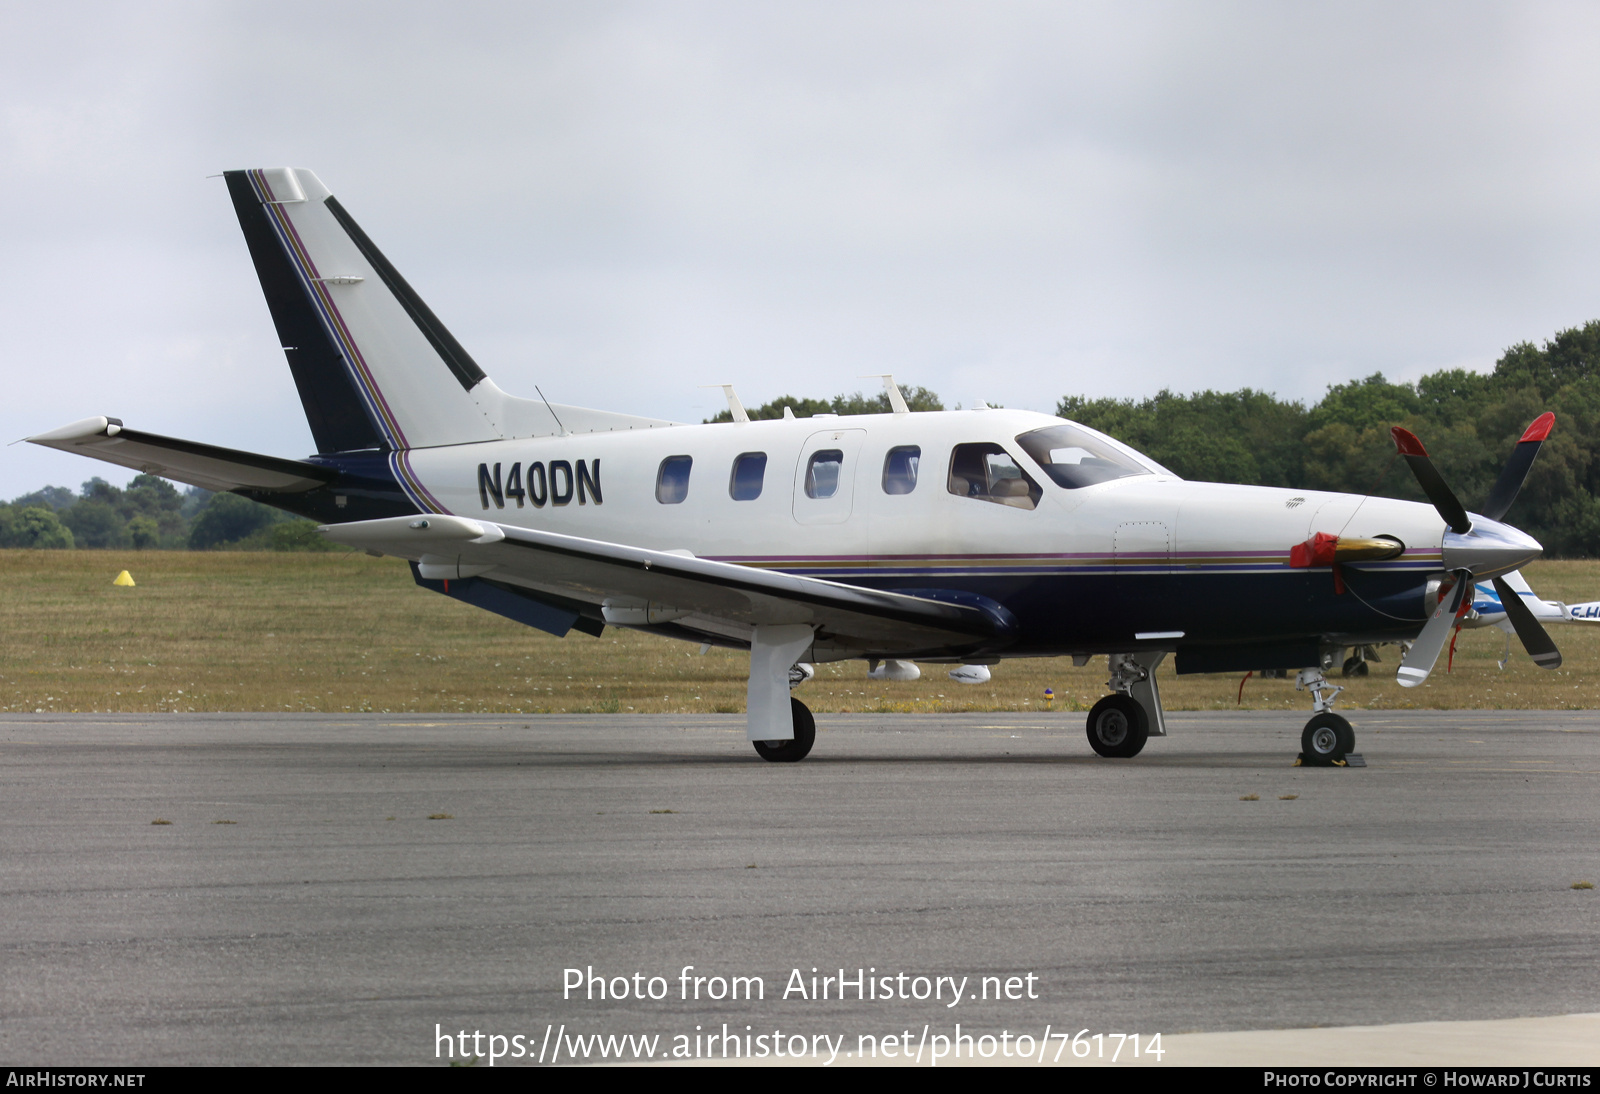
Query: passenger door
point(824, 482)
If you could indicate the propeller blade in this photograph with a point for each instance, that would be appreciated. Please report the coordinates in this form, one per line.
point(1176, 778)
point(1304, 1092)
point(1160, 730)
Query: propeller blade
point(1419, 659)
point(1444, 499)
point(1534, 637)
point(1517, 467)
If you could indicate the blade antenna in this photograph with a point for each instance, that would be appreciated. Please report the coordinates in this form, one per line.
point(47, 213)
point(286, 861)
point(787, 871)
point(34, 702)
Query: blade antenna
point(552, 411)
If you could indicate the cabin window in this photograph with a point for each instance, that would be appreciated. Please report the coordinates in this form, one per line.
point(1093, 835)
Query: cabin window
point(987, 472)
point(900, 469)
point(822, 473)
point(1074, 457)
point(749, 470)
point(672, 481)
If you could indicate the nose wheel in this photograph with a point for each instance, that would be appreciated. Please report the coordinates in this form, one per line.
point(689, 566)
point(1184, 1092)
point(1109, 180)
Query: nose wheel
point(1327, 739)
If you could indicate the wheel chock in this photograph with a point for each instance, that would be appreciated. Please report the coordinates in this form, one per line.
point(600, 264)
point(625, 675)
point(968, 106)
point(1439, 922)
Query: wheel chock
point(1351, 759)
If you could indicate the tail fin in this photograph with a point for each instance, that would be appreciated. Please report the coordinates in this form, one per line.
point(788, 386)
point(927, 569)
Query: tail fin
point(374, 366)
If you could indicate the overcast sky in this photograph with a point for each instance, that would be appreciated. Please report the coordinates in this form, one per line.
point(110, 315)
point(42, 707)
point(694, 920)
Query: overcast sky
point(619, 202)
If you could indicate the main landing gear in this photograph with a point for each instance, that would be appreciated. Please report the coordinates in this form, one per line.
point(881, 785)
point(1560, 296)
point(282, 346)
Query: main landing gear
point(1121, 723)
point(1327, 738)
point(1117, 727)
point(792, 751)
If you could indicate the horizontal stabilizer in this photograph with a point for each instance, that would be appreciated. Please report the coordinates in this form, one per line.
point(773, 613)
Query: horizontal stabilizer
point(717, 592)
point(203, 465)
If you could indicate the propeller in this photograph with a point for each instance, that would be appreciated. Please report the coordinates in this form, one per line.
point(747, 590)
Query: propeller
point(1484, 547)
point(1516, 470)
point(1535, 639)
point(1444, 499)
point(1419, 659)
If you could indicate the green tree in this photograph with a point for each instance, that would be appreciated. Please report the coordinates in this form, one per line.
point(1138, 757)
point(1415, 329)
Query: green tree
point(227, 519)
point(1372, 403)
point(1243, 436)
point(143, 533)
point(53, 498)
point(32, 526)
point(1469, 423)
point(95, 522)
point(301, 535)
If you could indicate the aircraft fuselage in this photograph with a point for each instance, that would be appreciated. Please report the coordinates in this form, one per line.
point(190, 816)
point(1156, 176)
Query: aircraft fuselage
point(1143, 561)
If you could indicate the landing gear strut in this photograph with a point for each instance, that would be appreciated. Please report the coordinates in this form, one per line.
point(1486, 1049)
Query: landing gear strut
point(1327, 737)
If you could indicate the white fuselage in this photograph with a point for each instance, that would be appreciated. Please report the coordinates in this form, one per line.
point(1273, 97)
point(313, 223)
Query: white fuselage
point(1159, 537)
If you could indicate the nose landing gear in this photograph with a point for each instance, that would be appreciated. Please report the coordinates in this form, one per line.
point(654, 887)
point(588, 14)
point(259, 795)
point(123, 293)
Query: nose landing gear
point(1327, 738)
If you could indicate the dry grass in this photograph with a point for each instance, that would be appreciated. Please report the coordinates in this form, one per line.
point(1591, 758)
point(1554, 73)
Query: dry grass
point(327, 633)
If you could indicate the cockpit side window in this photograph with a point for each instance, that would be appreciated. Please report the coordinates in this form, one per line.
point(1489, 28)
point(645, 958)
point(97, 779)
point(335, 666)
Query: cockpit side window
point(987, 472)
point(900, 469)
point(749, 471)
point(1074, 457)
point(672, 480)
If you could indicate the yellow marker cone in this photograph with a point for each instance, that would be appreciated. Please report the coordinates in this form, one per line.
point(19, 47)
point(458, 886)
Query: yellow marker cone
point(124, 578)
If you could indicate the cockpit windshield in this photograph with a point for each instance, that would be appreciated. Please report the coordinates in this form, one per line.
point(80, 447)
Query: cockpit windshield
point(1074, 457)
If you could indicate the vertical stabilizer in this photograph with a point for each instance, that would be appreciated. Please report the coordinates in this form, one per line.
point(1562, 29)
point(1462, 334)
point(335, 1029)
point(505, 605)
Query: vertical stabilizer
point(375, 367)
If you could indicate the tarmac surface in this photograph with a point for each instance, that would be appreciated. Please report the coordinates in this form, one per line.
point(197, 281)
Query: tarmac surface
point(301, 907)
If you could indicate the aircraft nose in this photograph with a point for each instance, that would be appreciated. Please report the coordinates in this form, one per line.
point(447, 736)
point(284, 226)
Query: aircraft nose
point(1489, 549)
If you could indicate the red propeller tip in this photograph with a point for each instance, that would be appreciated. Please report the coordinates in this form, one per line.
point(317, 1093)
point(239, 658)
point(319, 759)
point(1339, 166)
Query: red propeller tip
point(1406, 441)
point(1540, 429)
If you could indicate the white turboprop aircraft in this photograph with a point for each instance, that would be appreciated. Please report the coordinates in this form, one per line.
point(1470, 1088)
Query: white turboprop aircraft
point(820, 539)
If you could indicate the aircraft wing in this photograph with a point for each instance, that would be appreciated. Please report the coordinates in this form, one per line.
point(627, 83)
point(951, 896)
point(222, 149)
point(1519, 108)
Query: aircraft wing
point(203, 465)
point(667, 585)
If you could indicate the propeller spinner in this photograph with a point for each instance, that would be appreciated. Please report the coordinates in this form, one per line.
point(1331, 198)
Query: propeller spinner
point(1478, 549)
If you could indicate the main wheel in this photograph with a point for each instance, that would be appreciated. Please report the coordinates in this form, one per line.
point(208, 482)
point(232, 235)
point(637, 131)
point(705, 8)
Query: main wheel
point(1117, 726)
point(805, 735)
point(1327, 739)
point(1354, 666)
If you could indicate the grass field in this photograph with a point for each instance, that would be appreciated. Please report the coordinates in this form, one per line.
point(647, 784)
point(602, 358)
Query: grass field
point(235, 631)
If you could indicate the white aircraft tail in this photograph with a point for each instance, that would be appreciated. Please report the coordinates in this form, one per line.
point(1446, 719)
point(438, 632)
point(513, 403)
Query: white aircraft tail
point(374, 366)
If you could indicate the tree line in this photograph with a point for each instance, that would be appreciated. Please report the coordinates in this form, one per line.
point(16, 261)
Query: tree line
point(1469, 422)
point(149, 513)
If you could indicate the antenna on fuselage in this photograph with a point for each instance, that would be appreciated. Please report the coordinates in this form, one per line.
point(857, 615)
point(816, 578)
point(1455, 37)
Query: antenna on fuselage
point(897, 401)
point(735, 407)
point(552, 411)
